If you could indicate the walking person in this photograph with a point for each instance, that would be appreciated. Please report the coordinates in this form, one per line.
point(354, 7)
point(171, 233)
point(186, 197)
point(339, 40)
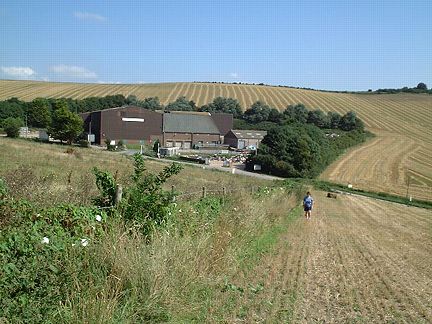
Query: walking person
point(308, 203)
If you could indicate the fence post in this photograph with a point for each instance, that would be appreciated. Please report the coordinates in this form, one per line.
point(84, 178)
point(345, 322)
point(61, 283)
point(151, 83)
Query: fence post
point(69, 179)
point(204, 192)
point(118, 194)
point(172, 193)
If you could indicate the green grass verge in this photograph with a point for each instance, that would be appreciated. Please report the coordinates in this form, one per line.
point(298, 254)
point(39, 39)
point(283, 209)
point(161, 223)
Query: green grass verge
point(263, 244)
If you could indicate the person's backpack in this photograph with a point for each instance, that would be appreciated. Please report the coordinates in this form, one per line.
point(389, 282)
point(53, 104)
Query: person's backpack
point(308, 202)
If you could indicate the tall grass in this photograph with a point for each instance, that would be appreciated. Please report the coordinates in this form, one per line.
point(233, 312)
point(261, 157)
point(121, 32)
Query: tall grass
point(181, 274)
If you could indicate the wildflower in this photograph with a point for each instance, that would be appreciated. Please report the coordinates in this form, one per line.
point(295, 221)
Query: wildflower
point(169, 213)
point(45, 240)
point(179, 210)
point(99, 218)
point(84, 242)
point(235, 208)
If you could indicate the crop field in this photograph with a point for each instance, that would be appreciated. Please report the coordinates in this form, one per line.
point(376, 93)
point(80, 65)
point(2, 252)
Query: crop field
point(356, 261)
point(401, 153)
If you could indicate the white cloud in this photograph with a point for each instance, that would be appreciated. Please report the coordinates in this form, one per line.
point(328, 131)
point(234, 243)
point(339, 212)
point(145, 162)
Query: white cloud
point(108, 82)
point(89, 16)
point(18, 71)
point(73, 71)
point(234, 75)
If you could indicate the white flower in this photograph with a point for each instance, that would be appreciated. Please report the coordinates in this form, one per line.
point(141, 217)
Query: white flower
point(84, 242)
point(99, 218)
point(179, 210)
point(169, 213)
point(45, 240)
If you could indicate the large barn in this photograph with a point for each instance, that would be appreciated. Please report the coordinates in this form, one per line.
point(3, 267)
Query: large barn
point(172, 128)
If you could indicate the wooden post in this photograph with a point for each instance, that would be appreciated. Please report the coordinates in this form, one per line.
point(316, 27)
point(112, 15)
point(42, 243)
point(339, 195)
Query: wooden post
point(204, 192)
point(223, 191)
point(172, 193)
point(118, 194)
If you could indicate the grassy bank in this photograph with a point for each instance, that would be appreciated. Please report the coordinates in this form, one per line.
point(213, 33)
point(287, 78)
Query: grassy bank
point(63, 260)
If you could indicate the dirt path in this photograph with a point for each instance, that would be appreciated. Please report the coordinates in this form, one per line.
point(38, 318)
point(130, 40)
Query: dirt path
point(357, 260)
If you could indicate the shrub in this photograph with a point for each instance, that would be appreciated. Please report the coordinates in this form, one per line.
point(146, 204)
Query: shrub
point(84, 143)
point(121, 145)
point(37, 247)
point(12, 126)
point(145, 203)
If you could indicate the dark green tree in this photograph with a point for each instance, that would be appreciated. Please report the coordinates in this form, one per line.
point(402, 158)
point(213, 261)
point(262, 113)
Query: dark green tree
point(65, 125)
point(318, 118)
point(151, 103)
point(12, 126)
point(290, 150)
point(257, 113)
point(156, 146)
point(275, 116)
point(297, 113)
point(349, 122)
point(39, 114)
point(181, 104)
point(224, 105)
point(335, 119)
point(422, 86)
point(132, 100)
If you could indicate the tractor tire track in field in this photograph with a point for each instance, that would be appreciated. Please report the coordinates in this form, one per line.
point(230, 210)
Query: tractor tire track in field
point(358, 260)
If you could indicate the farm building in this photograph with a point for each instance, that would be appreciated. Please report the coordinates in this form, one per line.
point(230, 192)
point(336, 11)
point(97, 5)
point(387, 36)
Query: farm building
point(186, 129)
point(241, 139)
point(173, 129)
point(130, 124)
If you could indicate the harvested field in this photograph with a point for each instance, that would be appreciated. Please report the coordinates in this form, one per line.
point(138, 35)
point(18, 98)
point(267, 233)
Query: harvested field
point(402, 151)
point(357, 260)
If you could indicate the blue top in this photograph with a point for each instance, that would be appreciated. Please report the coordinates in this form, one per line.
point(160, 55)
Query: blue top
point(308, 201)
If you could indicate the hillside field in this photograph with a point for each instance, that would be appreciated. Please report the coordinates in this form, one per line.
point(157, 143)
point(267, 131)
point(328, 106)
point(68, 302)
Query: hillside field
point(250, 259)
point(400, 154)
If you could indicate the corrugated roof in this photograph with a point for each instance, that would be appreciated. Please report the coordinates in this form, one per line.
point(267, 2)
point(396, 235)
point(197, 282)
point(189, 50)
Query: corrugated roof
point(174, 122)
point(245, 133)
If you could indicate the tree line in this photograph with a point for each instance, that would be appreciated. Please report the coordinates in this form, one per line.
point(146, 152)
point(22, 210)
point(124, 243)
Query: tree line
point(60, 118)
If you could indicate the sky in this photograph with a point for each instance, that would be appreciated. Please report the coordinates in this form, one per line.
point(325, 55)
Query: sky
point(332, 44)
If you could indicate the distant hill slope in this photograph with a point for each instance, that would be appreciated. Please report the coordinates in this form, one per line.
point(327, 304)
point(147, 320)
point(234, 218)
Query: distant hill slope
point(403, 123)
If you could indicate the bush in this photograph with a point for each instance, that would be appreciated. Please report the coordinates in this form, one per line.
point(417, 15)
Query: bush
point(12, 126)
point(84, 143)
point(37, 247)
point(145, 203)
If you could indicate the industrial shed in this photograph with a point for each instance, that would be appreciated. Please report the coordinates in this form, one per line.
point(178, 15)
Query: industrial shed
point(242, 139)
point(172, 128)
point(187, 129)
point(130, 124)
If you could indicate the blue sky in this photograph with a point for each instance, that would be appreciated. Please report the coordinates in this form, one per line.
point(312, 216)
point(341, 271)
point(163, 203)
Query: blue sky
point(334, 45)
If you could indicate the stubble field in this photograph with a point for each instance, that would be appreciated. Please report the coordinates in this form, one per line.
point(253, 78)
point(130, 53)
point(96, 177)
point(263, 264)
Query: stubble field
point(356, 261)
point(400, 154)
